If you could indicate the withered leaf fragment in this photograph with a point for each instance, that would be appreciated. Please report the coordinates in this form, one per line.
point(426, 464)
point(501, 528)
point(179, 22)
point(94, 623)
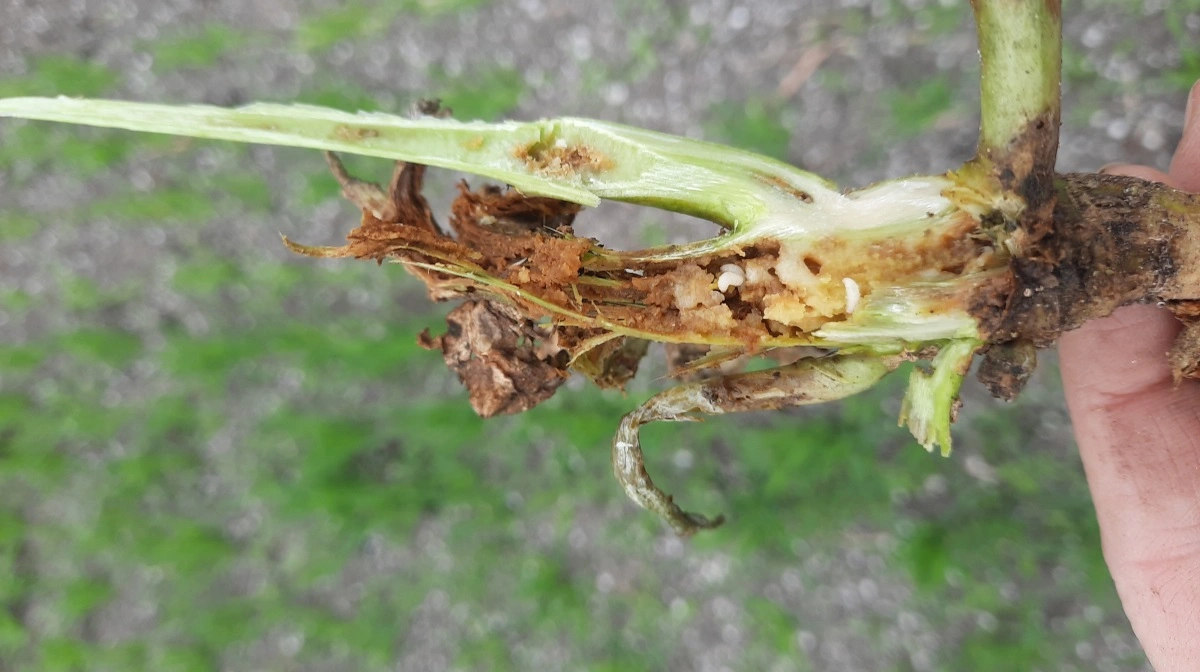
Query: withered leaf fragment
point(508, 363)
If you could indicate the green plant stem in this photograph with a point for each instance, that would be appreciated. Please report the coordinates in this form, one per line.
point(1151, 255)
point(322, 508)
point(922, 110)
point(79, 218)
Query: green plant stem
point(1020, 49)
point(575, 160)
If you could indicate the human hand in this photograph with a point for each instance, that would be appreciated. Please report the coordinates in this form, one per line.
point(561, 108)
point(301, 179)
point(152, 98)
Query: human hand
point(1139, 437)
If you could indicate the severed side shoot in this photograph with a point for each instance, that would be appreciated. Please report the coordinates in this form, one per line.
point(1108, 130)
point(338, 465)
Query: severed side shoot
point(839, 288)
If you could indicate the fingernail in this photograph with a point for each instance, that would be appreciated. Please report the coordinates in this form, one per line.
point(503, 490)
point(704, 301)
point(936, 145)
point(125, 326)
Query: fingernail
point(1113, 167)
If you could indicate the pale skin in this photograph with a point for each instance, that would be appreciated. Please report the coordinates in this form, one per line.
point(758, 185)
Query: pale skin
point(1139, 437)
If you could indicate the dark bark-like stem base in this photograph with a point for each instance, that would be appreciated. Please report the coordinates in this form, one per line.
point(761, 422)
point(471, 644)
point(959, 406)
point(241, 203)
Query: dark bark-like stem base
point(1113, 241)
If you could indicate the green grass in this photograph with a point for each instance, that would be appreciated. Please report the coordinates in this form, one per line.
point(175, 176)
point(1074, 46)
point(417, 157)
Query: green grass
point(245, 191)
point(364, 20)
point(754, 125)
point(16, 226)
point(487, 95)
point(1187, 72)
point(199, 49)
point(347, 22)
point(87, 152)
point(60, 75)
point(172, 205)
point(340, 95)
point(89, 345)
point(917, 110)
point(931, 18)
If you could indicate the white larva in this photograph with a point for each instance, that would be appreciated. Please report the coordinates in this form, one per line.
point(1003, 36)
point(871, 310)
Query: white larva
point(853, 294)
point(732, 275)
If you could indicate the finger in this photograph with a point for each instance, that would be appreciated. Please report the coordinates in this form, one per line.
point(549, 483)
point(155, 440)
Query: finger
point(1185, 167)
point(1139, 438)
point(1143, 172)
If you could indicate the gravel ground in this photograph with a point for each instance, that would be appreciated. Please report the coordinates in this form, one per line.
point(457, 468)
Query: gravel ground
point(672, 66)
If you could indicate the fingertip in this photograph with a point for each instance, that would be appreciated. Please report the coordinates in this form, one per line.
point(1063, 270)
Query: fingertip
point(1193, 106)
point(1185, 166)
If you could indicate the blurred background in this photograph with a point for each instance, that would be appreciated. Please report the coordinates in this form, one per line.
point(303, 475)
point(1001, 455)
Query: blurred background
point(215, 455)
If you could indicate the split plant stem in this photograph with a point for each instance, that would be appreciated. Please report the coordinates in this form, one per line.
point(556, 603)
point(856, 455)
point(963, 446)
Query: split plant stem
point(994, 259)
